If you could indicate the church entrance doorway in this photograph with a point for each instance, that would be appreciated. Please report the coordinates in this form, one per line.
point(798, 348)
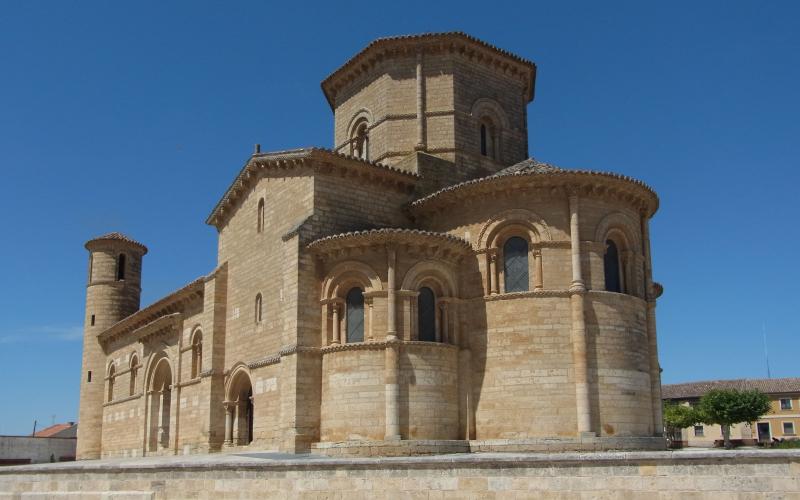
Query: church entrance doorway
point(240, 420)
point(159, 401)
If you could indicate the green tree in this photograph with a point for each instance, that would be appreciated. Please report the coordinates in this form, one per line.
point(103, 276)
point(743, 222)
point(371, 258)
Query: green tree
point(726, 407)
point(677, 417)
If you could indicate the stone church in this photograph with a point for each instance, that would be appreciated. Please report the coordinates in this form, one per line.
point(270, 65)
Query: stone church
point(422, 287)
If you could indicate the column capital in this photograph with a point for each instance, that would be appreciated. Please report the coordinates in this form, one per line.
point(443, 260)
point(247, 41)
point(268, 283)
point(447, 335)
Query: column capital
point(577, 287)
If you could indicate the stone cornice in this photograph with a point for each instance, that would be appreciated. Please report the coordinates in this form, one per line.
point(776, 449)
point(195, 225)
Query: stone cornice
point(583, 182)
point(443, 244)
point(165, 325)
point(319, 159)
point(122, 400)
point(451, 42)
point(381, 345)
point(532, 293)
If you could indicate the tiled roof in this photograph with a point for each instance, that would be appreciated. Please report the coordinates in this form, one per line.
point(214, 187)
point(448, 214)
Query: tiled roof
point(697, 389)
point(531, 166)
point(54, 429)
point(355, 61)
point(115, 236)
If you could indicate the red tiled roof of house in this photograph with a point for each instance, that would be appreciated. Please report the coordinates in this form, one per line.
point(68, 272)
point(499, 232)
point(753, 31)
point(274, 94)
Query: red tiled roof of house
point(697, 389)
point(54, 429)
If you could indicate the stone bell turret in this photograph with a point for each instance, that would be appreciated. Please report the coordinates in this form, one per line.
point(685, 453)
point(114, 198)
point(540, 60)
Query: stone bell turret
point(112, 294)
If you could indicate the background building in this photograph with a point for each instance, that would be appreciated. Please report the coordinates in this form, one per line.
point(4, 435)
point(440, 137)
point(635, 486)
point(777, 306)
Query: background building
point(422, 287)
point(782, 422)
point(51, 444)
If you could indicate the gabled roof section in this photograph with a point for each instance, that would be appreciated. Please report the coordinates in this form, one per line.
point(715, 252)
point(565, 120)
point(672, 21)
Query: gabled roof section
point(692, 390)
point(318, 158)
point(452, 40)
point(116, 237)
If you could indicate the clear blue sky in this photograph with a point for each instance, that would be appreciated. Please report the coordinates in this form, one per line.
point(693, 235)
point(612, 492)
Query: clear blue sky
point(135, 117)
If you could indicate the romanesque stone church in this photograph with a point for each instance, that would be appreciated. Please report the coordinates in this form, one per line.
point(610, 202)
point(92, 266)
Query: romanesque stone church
point(423, 286)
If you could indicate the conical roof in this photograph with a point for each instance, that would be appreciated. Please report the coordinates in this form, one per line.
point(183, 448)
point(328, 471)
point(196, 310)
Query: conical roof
point(115, 236)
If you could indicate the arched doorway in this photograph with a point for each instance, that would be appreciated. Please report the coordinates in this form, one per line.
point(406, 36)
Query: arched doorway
point(239, 410)
point(159, 401)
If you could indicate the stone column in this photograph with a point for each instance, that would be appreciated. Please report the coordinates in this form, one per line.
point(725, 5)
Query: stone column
point(391, 296)
point(538, 278)
point(577, 291)
point(228, 423)
point(392, 380)
point(392, 361)
point(370, 336)
point(420, 105)
point(442, 335)
point(466, 410)
point(494, 273)
point(651, 294)
point(336, 327)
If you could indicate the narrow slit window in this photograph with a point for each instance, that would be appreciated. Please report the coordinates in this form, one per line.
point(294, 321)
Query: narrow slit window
point(355, 315)
point(426, 312)
point(89, 376)
point(260, 214)
point(611, 267)
point(121, 267)
point(92, 320)
point(259, 307)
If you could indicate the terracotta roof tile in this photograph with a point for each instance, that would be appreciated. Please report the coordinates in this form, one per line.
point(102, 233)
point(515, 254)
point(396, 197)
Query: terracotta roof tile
point(115, 236)
point(54, 429)
point(692, 390)
point(531, 167)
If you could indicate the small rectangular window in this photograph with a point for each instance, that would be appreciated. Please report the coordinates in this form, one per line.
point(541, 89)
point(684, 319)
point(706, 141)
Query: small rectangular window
point(92, 319)
point(786, 404)
point(788, 428)
point(89, 376)
point(699, 431)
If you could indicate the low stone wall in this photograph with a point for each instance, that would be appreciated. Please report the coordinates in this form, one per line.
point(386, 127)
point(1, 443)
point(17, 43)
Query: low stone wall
point(37, 449)
point(747, 474)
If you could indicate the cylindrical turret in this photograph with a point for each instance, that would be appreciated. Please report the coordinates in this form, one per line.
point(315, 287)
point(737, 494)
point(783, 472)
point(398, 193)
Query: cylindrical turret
point(115, 270)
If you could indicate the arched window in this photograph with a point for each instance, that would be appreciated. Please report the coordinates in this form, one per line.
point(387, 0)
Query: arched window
point(258, 308)
point(612, 268)
point(359, 141)
point(112, 373)
point(426, 314)
point(260, 215)
point(134, 369)
point(488, 139)
point(515, 264)
point(197, 354)
point(355, 315)
point(121, 267)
